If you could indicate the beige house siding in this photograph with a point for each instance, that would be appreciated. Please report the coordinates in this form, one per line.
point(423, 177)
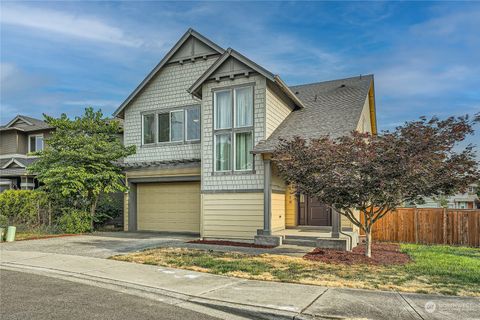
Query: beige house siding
point(231, 215)
point(166, 91)
point(278, 211)
point(290, 208)
point(276, 109)
point(237, 181)
point(364, 124)
point(8, 142)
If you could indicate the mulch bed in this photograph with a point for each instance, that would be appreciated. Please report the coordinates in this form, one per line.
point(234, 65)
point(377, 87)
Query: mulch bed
point(382, 254)
point(231, 243)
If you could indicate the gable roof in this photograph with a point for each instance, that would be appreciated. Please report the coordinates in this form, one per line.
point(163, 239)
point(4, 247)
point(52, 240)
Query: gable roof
point(32, 124)
point(231, 53)
point(190, 33)
point(331, 108)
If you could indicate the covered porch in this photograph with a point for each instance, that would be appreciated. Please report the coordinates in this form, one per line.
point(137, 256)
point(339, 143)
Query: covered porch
point(297, 219)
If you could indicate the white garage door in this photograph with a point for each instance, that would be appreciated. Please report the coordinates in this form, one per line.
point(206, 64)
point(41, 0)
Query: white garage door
point(173, 207)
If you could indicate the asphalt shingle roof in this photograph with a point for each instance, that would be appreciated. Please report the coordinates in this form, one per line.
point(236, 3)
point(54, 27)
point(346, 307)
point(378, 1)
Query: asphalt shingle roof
point(37, 124)
point(331, 108)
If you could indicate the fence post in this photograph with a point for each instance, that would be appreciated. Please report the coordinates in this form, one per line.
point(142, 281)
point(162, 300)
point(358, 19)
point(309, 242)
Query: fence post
point(415, 223)
point(444, 225)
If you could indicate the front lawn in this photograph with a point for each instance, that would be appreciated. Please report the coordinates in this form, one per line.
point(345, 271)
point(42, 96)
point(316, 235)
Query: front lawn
point(434, 269)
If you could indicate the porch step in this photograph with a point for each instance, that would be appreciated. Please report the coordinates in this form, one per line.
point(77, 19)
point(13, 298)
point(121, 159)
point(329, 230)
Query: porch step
point(309, 242)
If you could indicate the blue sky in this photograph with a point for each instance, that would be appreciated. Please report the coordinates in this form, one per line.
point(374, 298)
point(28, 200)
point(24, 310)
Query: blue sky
point(62, 56)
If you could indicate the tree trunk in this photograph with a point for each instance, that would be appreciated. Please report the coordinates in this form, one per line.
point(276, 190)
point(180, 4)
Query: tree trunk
point(93, 209)
point(368, 245)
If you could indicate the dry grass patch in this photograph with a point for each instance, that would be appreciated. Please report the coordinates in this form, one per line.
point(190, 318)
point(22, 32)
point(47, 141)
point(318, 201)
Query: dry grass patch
point(412, 277)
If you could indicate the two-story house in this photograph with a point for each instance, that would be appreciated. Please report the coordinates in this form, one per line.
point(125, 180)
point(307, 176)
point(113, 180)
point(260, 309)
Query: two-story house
point(18, 139)
point(205, 122)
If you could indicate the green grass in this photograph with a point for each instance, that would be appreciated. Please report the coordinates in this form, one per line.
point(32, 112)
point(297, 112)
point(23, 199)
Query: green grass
point(434, 269)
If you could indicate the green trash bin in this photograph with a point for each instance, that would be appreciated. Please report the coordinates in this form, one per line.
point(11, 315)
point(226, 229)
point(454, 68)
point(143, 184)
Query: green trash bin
point(2, 234)
point(11, 233)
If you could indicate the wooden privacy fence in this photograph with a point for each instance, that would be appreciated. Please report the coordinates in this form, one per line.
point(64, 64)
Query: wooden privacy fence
point(430, 226)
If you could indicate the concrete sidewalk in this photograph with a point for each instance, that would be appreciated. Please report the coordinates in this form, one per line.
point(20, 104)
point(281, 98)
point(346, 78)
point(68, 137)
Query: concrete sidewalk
point(243, 298)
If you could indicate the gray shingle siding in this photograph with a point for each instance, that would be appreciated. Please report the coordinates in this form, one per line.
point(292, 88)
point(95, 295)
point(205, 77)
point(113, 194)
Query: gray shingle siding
point(167, 90)
point(237, 181)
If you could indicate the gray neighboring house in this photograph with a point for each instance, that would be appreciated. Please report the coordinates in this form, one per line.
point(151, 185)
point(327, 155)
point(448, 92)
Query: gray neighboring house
point(18, 138)
point(205, 122)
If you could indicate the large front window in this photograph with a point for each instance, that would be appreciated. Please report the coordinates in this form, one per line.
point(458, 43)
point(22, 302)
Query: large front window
point(233, 126)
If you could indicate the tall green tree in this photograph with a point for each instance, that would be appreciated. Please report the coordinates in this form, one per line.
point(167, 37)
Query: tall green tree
point(81, 158)
point(374, 174)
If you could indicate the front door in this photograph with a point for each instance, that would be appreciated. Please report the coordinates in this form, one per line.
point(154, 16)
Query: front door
point(318, 214)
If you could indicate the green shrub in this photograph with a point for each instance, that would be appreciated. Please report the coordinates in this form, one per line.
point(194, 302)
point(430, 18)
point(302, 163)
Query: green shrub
point(3, 221)
point(109, 207)
point(23, 207)
point(75, 221)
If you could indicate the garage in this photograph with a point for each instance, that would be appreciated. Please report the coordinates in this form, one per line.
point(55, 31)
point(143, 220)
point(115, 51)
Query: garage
point(172, 207)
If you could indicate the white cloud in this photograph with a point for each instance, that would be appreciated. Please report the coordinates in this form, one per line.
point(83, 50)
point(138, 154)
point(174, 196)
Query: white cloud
point(68, 24)
point(93, 103)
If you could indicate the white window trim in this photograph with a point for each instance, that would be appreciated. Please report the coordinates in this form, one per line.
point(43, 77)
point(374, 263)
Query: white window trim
point(215, 150)
point(215, 110)
point(170, 121)
point(154, 129)
point(29, 142)
point(185, 126)
point(233, 129)
point(235, 150)
point(235, 108)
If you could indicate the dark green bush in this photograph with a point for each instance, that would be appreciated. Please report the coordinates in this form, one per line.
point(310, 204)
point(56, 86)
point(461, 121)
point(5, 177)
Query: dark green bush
point(23, 207)
point(75, 221)
point(109, 207)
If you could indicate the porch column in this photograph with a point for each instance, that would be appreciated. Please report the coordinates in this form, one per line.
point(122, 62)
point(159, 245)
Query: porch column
point(267, 197)
point(336, 224)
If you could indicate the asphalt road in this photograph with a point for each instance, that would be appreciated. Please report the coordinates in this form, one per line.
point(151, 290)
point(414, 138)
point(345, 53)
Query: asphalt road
point(28, 296)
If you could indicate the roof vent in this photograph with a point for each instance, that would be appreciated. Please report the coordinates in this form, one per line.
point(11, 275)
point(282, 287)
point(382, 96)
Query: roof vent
point(296, 92)
point(342, 86)
point(315, 99)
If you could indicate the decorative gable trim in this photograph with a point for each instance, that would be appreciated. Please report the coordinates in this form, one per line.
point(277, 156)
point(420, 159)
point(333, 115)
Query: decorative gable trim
point(6, 165)
point(244, 67)
point(205, 47)
point(14, 120)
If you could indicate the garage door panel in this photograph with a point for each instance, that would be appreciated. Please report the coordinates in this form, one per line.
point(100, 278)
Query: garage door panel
point(173, 207)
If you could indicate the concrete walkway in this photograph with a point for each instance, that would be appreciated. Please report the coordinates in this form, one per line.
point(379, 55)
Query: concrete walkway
point(235, 298)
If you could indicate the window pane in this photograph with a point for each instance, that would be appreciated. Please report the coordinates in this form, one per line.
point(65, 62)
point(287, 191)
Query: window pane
point(243, 146)
point(244, 107)
point(32, 144)
point(193, 123)
point(223, 151)
point(223, 110)
point(148, 128)
point(164, 127)
point(177, 125)
point(39, 143)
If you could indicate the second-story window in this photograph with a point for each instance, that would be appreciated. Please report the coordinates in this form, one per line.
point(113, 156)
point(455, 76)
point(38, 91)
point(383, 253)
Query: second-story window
point(148, 124)
point(35, 143)
point(233, 126)
point(178, 125)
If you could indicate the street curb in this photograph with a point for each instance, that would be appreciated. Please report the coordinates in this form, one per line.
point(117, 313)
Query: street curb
point(206, 305)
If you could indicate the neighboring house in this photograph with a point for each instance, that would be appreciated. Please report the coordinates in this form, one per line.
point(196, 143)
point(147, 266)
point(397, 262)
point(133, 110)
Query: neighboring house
point(205, 122)
point(18, 138)
point(467, 200)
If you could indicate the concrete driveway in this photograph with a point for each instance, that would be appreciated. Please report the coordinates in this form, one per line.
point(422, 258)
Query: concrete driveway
point(100, 244)
point(107, 244)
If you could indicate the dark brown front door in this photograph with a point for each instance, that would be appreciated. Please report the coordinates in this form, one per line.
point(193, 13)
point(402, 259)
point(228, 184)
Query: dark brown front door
point(318, 214)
